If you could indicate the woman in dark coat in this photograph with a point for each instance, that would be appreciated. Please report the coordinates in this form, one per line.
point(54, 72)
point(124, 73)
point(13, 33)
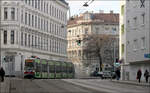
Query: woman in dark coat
point(139, 74)
point(2, 74)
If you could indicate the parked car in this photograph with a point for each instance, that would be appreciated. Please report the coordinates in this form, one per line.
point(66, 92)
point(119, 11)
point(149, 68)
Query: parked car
point(104, 74)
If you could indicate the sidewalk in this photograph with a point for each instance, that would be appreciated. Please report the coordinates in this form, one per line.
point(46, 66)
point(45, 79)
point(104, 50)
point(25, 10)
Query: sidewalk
point(109, 86)
point(4, 86)
point(132, 83)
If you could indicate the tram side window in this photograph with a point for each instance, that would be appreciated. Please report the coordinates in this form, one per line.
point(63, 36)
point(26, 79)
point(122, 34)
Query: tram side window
point(58, 69)
point(51, 68)
point(64, 69)
point(38, 67)
point(44, 67)
point(70, 69)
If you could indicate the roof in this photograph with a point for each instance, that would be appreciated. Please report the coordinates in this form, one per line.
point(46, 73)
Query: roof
point(104, 18)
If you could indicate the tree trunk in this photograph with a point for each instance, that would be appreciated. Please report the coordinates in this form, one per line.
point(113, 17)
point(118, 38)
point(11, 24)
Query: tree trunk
point(100, 61)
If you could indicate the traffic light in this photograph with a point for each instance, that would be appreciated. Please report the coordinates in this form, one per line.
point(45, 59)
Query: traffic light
point(78, 42)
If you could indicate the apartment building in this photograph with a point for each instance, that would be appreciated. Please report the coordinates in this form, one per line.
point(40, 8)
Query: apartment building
point(134, 37)
point(32, 28)
point(84, 24)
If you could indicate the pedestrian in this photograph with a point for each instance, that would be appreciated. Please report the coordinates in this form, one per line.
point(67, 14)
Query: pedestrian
point(117, 74)
point(2, 74)
point(139, 74)
point(146, 75)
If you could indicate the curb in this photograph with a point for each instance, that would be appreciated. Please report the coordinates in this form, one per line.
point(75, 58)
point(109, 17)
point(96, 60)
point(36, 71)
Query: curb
point(132, 83)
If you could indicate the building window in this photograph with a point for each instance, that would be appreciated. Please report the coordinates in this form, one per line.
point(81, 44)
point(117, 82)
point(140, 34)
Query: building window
point(5, 37)
point(5, 13)
point(86, 30)
point(32, 41)
point(26, 1)
point(38, 42)
point(36, 3)
point(41, 5)
point(35, 42)
point(32, 20)
point(25, 39)
point(143, 42)
point(135, 45)
point(29, 40)
point(42, 24)
point(122, 28)
point(13, 13)
point(32, 3)
point(22, 16)
point(12, 37)
point(122, 48)
point(35, 21)
point(143, 18)
point(26, 18)
point(29, 19)
point(122, 10)
point(135, 20)
point(22, 38)
point(39, 23)
point(47, 27)
point(97, 30)
point(41, 43)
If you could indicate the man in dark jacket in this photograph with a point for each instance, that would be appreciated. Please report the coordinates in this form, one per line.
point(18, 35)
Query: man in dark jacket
point(146, 75)
point(2, 74)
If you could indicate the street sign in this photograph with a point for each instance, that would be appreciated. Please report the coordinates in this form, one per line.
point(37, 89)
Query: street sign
point(147, 55)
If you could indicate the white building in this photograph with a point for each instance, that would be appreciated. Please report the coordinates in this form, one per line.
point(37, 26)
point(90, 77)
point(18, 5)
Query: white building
point(32, 28)
point(134, 37)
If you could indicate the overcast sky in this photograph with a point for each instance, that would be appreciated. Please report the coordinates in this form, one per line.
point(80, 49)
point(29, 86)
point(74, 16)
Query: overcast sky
point(76, 6)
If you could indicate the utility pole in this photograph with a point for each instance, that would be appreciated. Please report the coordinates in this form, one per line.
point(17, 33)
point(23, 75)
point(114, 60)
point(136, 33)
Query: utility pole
point(0, 34)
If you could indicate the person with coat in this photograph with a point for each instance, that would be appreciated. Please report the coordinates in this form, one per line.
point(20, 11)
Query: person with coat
point(2, 74)
point(146, 75)
point(139, 74)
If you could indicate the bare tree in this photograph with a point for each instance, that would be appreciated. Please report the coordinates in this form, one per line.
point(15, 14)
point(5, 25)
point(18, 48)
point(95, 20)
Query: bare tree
point(94, 46)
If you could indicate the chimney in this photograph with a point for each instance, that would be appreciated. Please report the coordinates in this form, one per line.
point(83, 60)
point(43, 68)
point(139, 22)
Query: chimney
point(111, 11)
point(101, 11)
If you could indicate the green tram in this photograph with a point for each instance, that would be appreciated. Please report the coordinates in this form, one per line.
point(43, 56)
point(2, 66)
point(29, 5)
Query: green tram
point(48, 69)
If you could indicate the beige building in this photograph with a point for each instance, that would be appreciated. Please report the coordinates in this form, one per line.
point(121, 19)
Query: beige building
point(88, 23)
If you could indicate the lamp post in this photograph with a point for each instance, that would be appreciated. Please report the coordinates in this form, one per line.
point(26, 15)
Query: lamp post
point(0, 33)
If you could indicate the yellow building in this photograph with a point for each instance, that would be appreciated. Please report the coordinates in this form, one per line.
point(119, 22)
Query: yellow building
point(88, 23)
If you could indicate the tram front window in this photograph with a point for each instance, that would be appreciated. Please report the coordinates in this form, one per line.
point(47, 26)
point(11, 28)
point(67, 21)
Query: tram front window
point(29, 66)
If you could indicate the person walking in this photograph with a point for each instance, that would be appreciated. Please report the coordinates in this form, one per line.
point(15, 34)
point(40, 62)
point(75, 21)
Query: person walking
point(2, 74)
point(117, 74)
point(146, 75)
point(139, 74)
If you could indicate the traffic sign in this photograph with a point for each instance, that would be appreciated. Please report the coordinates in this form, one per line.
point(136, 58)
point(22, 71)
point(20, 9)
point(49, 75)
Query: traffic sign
point(147, 55)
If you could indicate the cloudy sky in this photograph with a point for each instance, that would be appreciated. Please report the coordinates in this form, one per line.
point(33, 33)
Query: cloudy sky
point(76, 6)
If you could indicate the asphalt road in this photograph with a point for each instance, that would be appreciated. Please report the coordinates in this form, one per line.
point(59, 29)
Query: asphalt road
point(47, 86)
